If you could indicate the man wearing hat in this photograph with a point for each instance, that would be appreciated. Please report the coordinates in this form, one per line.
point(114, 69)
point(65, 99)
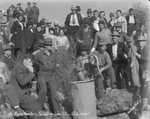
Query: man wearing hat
point(47, 61)
point(35, 12)
point(111, 22)
point(79, 12)
point(73, 22)
point(123, 35)
point(106, 69)
point(56, 27)
point(131, 22)
point(85, 35)
point(28, 11)
point(118, 53)
point(121, 19)
point(104, 33)
point(89, 13)
point(82, 63)
point(19, 8)
point(7, 57)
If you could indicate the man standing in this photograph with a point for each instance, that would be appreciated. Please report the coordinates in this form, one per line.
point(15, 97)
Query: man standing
point(21, 76)
point(118, 53)
point(35, 12)
point(19, 8)
point(111, 22)
point(123, 35)
point(47, 62)
point(121, 19)
point(131, 22)
point(104, 33)
point(73, 21)
point(28, 11)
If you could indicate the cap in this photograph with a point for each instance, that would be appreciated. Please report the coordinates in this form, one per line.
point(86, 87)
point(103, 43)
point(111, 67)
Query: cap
point(101, 43)
point(28, 3)
point(78, 8)
point(119, 24)
point(115, 33)
point(89, 10)
point(141, 38)
point(56, 23)
point(111, 14)
point(73, 7)
point(40, 43)
point(7, 47)
point(48, 41)
point(131, 9)
point(19, 4)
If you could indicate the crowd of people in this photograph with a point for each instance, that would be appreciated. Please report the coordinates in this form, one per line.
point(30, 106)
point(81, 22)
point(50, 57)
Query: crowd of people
point(115, 53)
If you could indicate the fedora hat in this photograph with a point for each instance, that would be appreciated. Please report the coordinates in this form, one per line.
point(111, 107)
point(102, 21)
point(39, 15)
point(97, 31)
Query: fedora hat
point(48, 41)
point(141, 38)
point(7, 47)
point(73, 7)
point(89, 10)
point(115, 33)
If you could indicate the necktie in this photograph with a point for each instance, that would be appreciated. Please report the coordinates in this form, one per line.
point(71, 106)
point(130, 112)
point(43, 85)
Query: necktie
point(73, 20)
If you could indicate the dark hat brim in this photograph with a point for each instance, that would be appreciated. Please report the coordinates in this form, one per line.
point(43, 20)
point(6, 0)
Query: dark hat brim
point(116, 35)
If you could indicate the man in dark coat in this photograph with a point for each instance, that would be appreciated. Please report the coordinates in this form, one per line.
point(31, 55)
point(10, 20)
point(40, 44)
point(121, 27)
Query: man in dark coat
point(118, 53)
point(7, 57)
point(73, 22)
point(35, 12)
point(17, 38)
point(28, 11)
point(21, 76)
point(131, 22)
point(37, 35)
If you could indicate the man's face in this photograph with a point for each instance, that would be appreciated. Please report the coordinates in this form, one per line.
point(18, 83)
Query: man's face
point(102, 48)
point(48, 47)
point(118, 14)
point(7, 52)
point(89, 14)
point(74, 11)
point(101, 26)
point(34, 25)
point(112, 17)
point(39, 29)
point(95, 15)
point(28, 62)
point(102, 15)
point(115, 39)
point(142, 43)
point(131, 12)
point(84, 53)
point(34, 5)
point(142, 27)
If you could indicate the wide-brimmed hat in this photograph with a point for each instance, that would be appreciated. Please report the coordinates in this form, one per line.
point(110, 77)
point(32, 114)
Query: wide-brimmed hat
point(84, 47)
point(73, 7)
point(78, 8)
point(115, 33)
point(119, 24)
point(41, 43)
point(141, 38)
point(48, 41)
point(89, 10)
point(7, 47)
point(28, 3)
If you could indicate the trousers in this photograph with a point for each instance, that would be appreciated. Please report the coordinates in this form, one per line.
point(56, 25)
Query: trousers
point(45, 82)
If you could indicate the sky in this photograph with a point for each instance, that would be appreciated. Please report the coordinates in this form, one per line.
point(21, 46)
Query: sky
point(57, 10)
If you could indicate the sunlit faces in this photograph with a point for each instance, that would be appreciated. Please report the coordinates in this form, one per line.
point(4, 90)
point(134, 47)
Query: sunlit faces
point(95, 15)
point(27, 62)
point(101, 26)
point(115, 39)
point(142, 43)
point(7, 52)
point(101, 48)
point(61, 32)
point(73, 11)
point(118, 13)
